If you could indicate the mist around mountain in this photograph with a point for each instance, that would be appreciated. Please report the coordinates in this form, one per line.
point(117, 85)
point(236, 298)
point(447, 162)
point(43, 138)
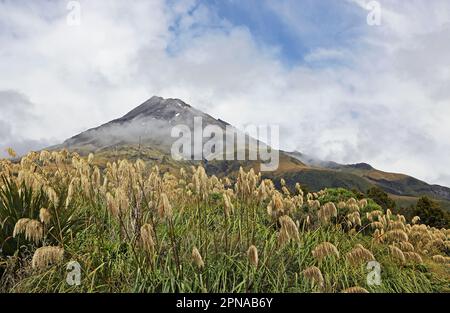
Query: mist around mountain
point(145, 132)
point(149, 124)
point(393, 183)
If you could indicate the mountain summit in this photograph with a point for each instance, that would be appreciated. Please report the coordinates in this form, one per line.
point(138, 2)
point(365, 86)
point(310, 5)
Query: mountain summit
point(148, 124)
point(157, 107)
point(162, 109)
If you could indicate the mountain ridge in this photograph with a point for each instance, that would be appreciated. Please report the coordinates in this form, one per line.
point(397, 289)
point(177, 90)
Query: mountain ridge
point(149, 124)
point(394, 183)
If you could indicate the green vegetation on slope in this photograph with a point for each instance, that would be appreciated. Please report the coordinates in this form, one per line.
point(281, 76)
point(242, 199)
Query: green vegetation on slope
point(134, 229)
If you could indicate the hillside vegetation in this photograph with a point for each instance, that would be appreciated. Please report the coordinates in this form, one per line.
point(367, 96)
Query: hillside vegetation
point(133, 227)
point(145, 133)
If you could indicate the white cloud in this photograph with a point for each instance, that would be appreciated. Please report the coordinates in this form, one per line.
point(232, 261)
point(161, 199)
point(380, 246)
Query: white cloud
point(325, 55)
point(16, 121)
point(385, 101)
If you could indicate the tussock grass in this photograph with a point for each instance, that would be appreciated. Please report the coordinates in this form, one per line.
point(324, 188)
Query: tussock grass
point(133, 228)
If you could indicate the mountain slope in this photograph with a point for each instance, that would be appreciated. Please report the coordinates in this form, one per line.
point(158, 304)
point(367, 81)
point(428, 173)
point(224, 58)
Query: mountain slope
point(145, 132)
point(393, 183)
point(149, 124)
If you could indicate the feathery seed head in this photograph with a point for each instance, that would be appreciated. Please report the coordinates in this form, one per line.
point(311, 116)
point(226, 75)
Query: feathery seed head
point(20, 226)
point(396, 235)
point(147, 238)
point(376, 225)
point(327, 211)
point(440, 259)
point(372, 215)
point(405, 246)
point(283, 237)
point(285, 191)
point(291, 228)
point(397, 225)
point(45, 156)
point(313, 204)
point(252, 254)
point(388, 214)
point(52, 196)
point(45, 216)
point(397, 253)
point(228, 205)
point(362, 203)
point(299, 189)
point(325, 249)
point(401, 218)
point(90, 158)
point(359, 254)
point(11, 152)
point(314, 274)
point(112, 205)
point(164, 209)
point(34, 231)
point(415, 220)
point(197, 258)
point(46, 256)
point(413, 257)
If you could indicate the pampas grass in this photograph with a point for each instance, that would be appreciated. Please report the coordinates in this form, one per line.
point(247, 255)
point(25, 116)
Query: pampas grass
point(44, 216)
point(197, 258)
point(46, 256)
point(32, 229)
point(397, 253)
point(252, 254)
point(314, 274)
point(135, 227)
point(359, 255)
point(325, 249)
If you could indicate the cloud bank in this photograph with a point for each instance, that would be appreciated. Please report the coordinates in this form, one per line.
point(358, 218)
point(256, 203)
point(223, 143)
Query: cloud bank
point(339, 89)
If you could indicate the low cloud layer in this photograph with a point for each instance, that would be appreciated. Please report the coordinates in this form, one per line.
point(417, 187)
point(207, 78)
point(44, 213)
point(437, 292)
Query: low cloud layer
point(373, 94)
point(17, 122)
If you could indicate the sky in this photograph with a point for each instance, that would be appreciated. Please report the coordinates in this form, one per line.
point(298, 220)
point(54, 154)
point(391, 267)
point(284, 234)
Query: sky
point(340, 88)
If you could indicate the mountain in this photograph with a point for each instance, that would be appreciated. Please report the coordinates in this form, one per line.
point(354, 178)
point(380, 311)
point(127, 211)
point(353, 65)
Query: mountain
point(313, 161)
point(149, 124)
point(145, 132)
point(399, 185)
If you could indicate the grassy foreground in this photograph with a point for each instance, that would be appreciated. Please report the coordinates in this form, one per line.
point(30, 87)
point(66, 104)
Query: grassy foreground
point(132, 228)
